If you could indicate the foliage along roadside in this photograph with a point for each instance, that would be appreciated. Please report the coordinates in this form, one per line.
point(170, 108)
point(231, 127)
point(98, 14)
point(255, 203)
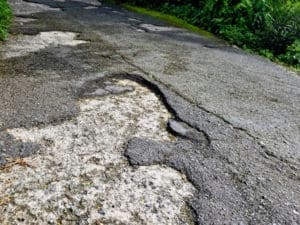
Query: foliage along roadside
point(5, 17)
point(268, 27)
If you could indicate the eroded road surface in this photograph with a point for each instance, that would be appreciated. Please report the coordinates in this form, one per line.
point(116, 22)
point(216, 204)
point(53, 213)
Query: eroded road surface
point(110, 117)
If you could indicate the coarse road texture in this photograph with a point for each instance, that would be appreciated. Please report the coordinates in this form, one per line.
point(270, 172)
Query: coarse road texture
point(110, 117)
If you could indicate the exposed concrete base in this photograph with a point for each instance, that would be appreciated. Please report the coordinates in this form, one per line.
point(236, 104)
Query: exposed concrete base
point(80, 173)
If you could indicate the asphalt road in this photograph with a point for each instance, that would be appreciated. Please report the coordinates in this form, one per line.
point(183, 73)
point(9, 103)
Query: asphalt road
point(234, 121)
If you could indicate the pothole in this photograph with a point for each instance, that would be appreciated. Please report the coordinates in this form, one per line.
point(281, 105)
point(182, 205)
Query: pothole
point(81, 175)
point(24, 44)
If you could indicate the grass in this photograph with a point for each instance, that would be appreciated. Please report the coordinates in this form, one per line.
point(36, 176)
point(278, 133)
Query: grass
point(5, 18)
point(173, 20)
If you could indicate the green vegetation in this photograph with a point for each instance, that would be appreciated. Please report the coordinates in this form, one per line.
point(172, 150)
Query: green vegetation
point(5, 16)
point(268, 27)
point(173, 20)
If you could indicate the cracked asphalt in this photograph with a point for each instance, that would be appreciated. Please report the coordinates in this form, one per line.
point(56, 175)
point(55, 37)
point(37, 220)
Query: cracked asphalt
point(100, 105)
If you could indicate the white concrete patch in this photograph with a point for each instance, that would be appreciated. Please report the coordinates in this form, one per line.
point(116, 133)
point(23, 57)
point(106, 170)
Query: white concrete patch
point(91, 2)
point(81, 176)
point(117, 12)
point(140, 30)
point(23, 44)
point(21, 7)
point(91, 7)
point(133, 20)
point(152, 27)
point(21, 20)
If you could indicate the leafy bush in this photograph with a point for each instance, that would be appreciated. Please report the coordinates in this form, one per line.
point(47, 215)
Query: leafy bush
point(187, 12)
point(5, 16)
point(292, 55)
point(278, 26)
point(238, 35)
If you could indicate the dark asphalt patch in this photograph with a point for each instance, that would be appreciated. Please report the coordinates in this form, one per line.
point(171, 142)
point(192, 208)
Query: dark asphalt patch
point(183, 130)
point(28, 102)
point(105, 85)
point(10, 148)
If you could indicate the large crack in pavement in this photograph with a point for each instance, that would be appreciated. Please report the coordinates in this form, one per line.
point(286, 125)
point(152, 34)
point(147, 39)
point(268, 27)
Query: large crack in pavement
point(158, 81)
